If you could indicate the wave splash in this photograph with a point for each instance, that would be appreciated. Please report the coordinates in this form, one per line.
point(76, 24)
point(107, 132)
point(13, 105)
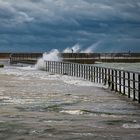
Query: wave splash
point(53, 55)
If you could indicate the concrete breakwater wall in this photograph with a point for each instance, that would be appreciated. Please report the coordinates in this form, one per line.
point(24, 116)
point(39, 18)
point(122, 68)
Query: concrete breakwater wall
point(85, 58)
point(29, 58)
point(101, 57)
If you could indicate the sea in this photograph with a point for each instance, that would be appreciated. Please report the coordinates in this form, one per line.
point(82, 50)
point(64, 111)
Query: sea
point(35, 104)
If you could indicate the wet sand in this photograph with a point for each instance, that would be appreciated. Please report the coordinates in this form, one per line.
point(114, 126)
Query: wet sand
point(52, 109)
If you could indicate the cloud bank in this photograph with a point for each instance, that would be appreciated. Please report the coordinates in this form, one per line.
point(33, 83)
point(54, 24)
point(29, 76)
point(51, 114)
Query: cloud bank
point(41, 25)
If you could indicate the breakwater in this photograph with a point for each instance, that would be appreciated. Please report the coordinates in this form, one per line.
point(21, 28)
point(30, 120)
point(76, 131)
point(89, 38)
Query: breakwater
point(4, 55)
point(29, 58)
point(120, 81)
point(90, 58)
point(84, 58)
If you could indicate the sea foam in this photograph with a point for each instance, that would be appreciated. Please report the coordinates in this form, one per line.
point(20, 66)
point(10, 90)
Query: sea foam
point(53, 55)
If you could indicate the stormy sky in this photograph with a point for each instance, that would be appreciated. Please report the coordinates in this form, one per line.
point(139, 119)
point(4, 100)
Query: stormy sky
point(41, 25)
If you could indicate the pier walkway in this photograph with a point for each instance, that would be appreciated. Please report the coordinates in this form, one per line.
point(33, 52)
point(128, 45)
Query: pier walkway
point(42, 106)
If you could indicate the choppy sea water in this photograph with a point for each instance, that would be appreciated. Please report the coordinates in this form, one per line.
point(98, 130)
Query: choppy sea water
point(39, 105)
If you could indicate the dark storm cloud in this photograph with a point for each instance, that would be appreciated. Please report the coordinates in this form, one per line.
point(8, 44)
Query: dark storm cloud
point(45, 24)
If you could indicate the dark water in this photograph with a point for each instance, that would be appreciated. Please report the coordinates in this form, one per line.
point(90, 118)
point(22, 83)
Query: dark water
point(42, 106)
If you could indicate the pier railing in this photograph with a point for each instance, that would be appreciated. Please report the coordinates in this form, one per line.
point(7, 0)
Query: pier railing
point(121, 81)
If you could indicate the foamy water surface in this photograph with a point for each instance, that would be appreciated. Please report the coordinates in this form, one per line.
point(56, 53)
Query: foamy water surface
point(38, 105)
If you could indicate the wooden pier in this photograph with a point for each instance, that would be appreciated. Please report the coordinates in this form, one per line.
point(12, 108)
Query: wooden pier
point(120, 81)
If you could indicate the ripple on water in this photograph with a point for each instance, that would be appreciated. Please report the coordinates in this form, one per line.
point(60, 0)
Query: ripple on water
point(73, 112)
point(93, 113)
point(39, 108)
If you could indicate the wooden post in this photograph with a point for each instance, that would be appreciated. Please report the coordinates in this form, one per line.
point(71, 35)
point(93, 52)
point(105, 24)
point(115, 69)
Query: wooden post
point(97, 74)
point(120, 83)
point(57, 67)
point(66, 68)
point(49, 66)
point(116, 80)
point(129, 85)
point(105, 77)
point(74, 70)
point(102, 75)
point(53, 66)
point(70, 67)
point(94, 74)
point(134, 87)
point(112, 80)
point(91, 73)
point(61, 67)
point(84, 71)
point(66, 65)
point(79, 70)
point(75, 65)
point(124, 82)
point(46, 65)
point(109, 78)
point(139, 88)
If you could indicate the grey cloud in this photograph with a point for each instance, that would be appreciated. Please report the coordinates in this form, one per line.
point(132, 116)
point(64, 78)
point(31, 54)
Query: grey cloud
point(64, 10)
point(61, 23)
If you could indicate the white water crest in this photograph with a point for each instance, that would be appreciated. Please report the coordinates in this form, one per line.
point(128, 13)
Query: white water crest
point(77, 48)
point(74, 49)
point(72, 112)
point(129, 125)
point(53, 55)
